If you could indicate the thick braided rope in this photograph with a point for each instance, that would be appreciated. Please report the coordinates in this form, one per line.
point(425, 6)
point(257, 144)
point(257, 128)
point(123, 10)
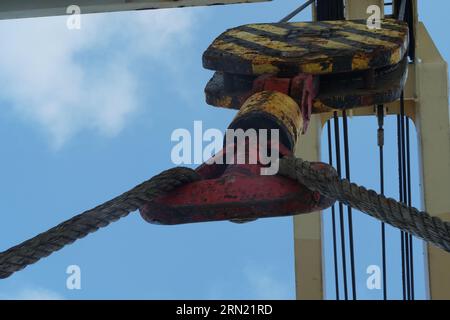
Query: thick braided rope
point(44, 244)
point(420, 224)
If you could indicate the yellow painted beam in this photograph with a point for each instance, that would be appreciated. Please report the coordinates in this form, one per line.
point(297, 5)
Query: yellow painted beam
point(433, 126)
point(308, 227)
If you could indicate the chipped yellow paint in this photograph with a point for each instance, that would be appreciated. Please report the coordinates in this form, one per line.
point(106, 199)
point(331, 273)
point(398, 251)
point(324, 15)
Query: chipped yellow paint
point(316, 67)
point(306, 25)
point(366, 39)
point(330, 44)
point(382, 31)
point(396, 55)
point(360, 62)
point(264, 41)
point(281, 31)
point(259, 62)
point(269, 28)
point(223, 101)
point(264, 68)
point(316, 57)
point(306, 55)
point(325, 43)
point(277, 105)
point(262, 64)
point(320, 107)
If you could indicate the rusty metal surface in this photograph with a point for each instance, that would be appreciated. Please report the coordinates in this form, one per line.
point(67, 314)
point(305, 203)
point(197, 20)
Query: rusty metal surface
point(307, 47)
point(271, 110)
point(238, 193)
point(234, 196)
point(237, 190)
point(337, 91)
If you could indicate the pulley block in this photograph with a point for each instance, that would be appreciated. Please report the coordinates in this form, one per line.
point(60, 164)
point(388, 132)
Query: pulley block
point(342, 64)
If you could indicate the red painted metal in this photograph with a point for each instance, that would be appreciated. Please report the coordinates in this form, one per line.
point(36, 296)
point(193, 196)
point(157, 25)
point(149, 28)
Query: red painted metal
point(271, 83)
point(236, 192)
point(306, 86)
point(303, 88)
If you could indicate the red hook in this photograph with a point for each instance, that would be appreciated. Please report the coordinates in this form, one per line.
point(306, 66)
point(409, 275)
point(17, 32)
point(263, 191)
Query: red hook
point(235, 192)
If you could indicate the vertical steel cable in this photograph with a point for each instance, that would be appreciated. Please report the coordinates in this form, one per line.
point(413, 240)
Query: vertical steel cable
point(404, 190)
point(408, 178)
point(333, 215)
point(380, 142)
point(341, 205)
point(334, 10)
point(405, 12)
point(349, 209)
point(400, 187)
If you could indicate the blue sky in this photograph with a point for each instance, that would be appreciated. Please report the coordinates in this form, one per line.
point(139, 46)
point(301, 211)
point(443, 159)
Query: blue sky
point(88, 114)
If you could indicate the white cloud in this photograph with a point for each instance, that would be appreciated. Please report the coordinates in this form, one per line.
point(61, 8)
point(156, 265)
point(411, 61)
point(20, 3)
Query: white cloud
point(68, 81)
point(33, 294)
point(264, 284)
point(253, 282)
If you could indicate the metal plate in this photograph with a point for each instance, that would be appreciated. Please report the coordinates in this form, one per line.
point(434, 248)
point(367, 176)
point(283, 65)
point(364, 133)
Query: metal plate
point(307, 47)
point(11, 9)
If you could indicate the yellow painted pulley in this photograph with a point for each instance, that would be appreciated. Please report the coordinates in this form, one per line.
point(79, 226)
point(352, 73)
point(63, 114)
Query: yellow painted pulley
point(354, 64)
